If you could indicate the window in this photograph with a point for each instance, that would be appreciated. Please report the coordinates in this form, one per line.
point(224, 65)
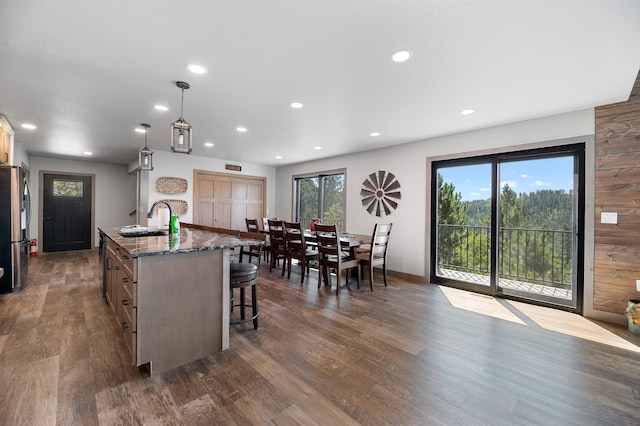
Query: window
point(320, 196)
point(67, 188)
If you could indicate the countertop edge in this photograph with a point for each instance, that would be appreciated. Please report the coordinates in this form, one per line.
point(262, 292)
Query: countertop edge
point(188, 241)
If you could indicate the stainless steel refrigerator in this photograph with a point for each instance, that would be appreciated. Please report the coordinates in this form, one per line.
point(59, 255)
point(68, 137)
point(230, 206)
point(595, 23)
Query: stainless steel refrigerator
point(15, 215)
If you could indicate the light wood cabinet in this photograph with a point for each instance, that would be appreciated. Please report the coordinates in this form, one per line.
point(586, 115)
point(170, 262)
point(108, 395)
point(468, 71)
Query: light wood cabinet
point(120, 292)
point(5, 142)
point(224, 201)
point(172, 308)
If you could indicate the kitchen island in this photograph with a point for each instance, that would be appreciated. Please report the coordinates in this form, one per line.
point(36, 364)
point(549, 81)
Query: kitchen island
point(170, 293)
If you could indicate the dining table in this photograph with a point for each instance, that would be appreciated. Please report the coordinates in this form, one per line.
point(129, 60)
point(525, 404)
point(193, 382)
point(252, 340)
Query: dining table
point(347, 239)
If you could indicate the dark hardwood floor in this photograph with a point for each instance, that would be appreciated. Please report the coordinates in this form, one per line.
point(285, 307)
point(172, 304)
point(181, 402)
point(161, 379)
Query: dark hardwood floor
point(408, 354)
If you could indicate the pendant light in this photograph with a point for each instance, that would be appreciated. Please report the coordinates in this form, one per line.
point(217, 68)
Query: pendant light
point(145, 155)
point(180, 129)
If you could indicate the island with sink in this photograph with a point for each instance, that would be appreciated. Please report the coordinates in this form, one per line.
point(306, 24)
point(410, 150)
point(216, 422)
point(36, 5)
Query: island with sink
point(170, 292)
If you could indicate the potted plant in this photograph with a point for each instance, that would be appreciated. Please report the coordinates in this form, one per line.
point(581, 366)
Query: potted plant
point(633, 315)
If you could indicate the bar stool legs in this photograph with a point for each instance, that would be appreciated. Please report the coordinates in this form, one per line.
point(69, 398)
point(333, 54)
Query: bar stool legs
point(245, 275)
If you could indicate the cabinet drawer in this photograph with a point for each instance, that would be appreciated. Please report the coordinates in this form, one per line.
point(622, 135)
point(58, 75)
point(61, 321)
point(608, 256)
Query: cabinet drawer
point(128, 316)
point(129, 337)
point(128, 289)
point(127, 262)
point(111, 247)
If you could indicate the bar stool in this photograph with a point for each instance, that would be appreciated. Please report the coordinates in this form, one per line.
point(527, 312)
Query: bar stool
point(245, 275)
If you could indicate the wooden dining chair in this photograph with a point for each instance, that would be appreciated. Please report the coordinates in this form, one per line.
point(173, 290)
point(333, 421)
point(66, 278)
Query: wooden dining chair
point(331, 256)
point(278, 244)
point(376, 256)
point(297, 248)
point(254, 251)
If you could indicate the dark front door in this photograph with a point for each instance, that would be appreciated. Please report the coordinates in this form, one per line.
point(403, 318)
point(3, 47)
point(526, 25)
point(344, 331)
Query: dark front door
point(66, 212)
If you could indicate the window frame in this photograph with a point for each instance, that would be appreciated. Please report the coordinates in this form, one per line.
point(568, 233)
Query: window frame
point(320, 206)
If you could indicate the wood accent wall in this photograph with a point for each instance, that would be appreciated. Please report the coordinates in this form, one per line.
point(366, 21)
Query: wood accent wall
point(617, 189)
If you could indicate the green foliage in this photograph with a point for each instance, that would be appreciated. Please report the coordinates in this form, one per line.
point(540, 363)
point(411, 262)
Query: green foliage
point(332, 193)
point(535, 242)
point(65, 188)
point(335, 214)
point(451, 210)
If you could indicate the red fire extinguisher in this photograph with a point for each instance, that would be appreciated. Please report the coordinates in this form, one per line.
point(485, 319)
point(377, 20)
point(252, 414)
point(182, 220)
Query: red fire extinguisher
point(33, 251)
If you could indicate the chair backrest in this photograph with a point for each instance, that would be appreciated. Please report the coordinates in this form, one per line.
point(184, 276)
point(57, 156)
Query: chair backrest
point(252, 225)
point(380, 241)
point(294, 236)
point(265, 222)
point(276, 235)
point(328, 241)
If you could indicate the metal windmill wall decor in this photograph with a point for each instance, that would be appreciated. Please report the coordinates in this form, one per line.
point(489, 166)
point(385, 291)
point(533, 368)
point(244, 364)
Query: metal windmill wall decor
point(380, 193)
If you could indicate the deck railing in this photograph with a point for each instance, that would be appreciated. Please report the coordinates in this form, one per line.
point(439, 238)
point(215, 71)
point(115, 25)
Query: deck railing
point(538, 256)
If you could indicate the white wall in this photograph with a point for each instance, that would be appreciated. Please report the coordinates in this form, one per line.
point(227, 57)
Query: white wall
point(116, 189)
point(20, 155)
point(408, 243)
point(114, 195)
point(167, 164)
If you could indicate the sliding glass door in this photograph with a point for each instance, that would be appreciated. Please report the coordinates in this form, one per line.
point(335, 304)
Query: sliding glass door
point(511, 224)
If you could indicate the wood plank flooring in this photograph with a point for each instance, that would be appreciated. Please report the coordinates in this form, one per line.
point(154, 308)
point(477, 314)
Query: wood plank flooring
point(408, 354)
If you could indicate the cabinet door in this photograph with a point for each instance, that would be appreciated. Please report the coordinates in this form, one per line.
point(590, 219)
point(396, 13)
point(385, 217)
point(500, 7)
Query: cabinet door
point(108, 268)
point(5, 144)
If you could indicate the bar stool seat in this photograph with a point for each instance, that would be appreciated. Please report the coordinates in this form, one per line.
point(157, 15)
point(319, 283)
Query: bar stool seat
point(243, 275)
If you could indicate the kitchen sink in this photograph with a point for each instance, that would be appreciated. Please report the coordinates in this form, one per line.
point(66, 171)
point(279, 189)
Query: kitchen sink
point(144, 234)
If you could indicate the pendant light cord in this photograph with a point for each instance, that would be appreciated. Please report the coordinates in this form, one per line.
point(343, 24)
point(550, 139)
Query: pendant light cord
point(181, 103)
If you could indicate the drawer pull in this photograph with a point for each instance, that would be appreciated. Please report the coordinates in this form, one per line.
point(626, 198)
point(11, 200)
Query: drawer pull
point(125, 302)
point(117, 268)
point(125, 325)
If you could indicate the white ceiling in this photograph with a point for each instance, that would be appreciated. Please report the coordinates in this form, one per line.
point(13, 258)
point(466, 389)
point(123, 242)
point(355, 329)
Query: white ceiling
point(87, 72)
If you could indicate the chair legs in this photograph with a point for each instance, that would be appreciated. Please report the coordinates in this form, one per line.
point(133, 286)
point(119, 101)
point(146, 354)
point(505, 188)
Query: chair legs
point(384, 274)
point(243, 275)
point(243, 304)
point(302, 271)
point(324, 271)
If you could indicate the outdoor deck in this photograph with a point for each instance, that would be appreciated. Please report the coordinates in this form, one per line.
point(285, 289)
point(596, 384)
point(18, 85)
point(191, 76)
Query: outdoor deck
point(549, 291)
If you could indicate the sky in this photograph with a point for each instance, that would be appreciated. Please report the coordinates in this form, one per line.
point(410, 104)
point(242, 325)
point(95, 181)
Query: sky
point(474, 182)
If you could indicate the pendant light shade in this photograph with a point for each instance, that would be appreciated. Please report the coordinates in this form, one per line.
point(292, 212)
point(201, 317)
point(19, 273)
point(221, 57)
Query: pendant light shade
point(180, 129)
point(145, 155)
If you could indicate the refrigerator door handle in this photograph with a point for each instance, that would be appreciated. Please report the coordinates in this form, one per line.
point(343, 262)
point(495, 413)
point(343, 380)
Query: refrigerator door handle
point(28, 202)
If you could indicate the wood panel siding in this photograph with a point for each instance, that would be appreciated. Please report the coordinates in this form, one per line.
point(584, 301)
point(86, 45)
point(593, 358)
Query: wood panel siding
point(617, 189)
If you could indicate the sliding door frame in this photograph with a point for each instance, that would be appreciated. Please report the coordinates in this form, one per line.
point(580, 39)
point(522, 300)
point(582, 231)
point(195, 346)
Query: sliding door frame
point(577, 150)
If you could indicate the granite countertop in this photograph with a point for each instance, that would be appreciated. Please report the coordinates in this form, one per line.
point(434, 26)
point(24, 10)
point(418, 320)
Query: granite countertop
point(189, 240)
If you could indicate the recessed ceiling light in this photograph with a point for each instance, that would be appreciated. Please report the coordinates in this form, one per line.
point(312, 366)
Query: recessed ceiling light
point(401, 55)
point(161, 107)
point(208, 144)
point(196, 69)
point(374, 134)
point(467, 111)
point(241, 129)
point(88, 153)
point(140, 130)
point(278, 157)
point(28, 126)
point(317, 147)
point(296, 105)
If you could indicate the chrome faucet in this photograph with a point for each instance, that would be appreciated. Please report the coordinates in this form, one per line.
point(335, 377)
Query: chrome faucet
point(150, 214)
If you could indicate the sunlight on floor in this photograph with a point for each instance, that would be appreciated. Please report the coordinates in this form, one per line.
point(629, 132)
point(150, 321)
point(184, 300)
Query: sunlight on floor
point(478, 303)
point(547, 318)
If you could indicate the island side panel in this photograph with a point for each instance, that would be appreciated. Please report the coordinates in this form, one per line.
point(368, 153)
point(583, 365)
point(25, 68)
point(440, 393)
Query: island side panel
point(182, 307)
